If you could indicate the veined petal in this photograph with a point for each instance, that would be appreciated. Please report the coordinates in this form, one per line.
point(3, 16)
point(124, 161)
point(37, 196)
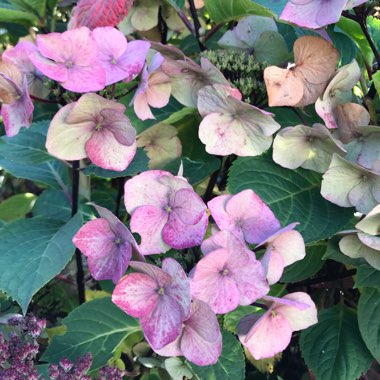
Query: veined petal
point(136, 294)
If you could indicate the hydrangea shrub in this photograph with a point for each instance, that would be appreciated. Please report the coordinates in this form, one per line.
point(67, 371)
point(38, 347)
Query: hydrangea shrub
point(190, 189)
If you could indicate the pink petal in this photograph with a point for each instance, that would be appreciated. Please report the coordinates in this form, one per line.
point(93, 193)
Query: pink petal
point(256, 218)
point(159, 89)
point(201, 341)
point(188, 206)
point(148, 222)
point(171, 349)
point(298, 319)
point(273, 264)
point(179, 235)
point(141, 107)
point(106, 152)
point(85, 79)
point(107, 259)
point(221, 134)
point(145, 189)
point(133, 59)
point(217, 207)
point(164, 324)
point(51, 69)
point(54, 47)
point(161, 278)
point(179, 288)
point(264, 336)
point(136, 294)
point(210, 284)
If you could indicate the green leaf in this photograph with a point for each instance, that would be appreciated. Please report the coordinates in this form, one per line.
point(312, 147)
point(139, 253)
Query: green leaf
point(368, 318)
point(309, 266)
point(52, 173)
point(228, 10)
point(194, 171)
point(230, 365)
point(376, 81)
point(232, 319)
point(293, 196)
point(346, 47)
point(27, 147)
point(367, 276)
point(33, 252)
point(333, 348)
point(177, 4)
point(276, 6)
point(36, 7)
point(353, 29)
point(53, 204)
point(288, 117)
point(16, 206)
point(138, 165)
point(98, 326)
point(9, 13)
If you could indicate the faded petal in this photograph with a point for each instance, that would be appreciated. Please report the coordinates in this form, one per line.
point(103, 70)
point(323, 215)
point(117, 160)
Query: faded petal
point(136, 294)
point(148, 222)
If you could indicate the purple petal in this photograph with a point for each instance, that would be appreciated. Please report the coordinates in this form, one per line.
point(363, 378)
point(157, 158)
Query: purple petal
point(188, 206)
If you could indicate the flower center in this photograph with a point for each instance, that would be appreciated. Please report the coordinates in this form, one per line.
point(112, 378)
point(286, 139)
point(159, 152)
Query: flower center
point(117, 241)
point(168, 209)
point(224, 272)
point(113, 61)
point(69, 64)
point(161, 291)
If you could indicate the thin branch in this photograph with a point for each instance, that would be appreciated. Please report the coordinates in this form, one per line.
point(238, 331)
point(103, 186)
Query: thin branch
point(120, 190)
point(36, 98)
point(197, 24)
point(74, 210)
point(186, 21)
point(260, 305)
point(210, 186)
point(126, 93)
point(162, 27)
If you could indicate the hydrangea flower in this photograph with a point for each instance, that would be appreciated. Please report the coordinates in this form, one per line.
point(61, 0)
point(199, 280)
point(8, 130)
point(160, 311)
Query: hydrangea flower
point(258, 36)
point(283, 248)
point(227, 277)
point(108, 246)
point(244, 214)
point(365, 149)
point(160, 298)
point(350, 185)
point(349, 118)
point(366, 242)
point(305, 147)
point(301, 83)
point(200, 341)
point(165, 211)
point(161, 144)
point(120, 59)
point(153, 90)
point(268, 334)
point(70, 58)
point(17, 107)
point(231, 126)
point(338, 91)
point(187, 78)
point(95, 13)
point(19, 56)
point(93, 127)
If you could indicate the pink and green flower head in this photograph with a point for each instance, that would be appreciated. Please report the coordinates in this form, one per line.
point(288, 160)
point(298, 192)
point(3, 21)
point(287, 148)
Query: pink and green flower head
point(108, 246)
point(17, 107)
point(231, 126)
point(96, 128)
point(160, 298)
point(228, 277)
point(268, 334)
point(165, 211)
point(244, 214)
point(200, 341)
point(283, 248)
point(120, 59)
point(70, 58)
point(154, 89)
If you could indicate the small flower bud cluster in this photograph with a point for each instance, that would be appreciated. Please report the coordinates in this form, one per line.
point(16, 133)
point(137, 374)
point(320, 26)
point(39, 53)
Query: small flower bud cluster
point(243, 72)
point(67, 370)
point(19, 348)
